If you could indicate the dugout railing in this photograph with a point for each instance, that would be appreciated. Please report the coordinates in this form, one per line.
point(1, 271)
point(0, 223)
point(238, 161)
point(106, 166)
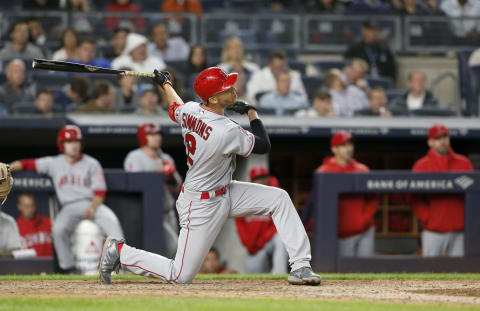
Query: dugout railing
point(328, 187)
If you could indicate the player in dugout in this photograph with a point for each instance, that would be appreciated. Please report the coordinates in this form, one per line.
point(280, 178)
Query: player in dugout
point(442, 215)
point(356, 230)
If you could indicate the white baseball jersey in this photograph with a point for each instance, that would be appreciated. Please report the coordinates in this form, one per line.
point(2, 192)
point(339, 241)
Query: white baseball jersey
point(211, 142)
point(73, 182)
point(9, 235)
point(139, 161)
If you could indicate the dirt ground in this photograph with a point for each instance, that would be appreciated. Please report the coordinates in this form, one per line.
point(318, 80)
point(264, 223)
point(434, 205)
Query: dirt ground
point(410, 291)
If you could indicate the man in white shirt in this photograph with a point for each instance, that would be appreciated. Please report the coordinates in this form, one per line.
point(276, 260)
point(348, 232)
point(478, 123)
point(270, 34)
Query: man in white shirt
point(168, 48)
point(466, 13)
point(417, 96)
point(282, 98)
point(345, 99)
point(264, 80)
point(135, 56)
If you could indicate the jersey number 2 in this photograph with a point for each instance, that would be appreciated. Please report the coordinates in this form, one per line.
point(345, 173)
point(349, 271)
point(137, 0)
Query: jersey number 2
point(191, 145)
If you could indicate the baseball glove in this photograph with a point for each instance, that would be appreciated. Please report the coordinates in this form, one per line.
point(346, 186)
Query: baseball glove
point(6, 182)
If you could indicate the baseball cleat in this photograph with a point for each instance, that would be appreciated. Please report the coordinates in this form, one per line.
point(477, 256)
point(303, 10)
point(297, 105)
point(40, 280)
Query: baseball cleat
point(304, 276)
point(110, 259)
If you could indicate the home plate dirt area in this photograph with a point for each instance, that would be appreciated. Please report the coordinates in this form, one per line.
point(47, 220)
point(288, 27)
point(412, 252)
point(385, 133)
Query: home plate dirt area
point(456, 292)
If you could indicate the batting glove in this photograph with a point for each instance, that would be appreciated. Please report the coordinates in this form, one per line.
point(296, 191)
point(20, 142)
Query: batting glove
point(242, 107)
point(162, 77)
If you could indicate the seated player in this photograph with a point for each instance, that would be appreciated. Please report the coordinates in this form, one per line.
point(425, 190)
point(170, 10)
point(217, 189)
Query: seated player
point(356, 230)
point(80, 187)
point(151, 158)
point(212, 264)
point(35, 229)
point(259, 235)
point(9, 236)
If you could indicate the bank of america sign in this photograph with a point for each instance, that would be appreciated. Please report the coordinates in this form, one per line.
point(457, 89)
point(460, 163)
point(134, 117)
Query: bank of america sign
point(463, 182)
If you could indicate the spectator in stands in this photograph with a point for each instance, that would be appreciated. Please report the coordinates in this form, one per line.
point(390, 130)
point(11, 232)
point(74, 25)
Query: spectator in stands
point(411, 7)
point(322, 106)
point(169, 49)
point(378, 104)
point(466, 13)
point(264, 80)
point(38, 35)
point(233, 58)
point(197, 60)
point(124, 6)
point(356, 230)
point(30, 5)
point(136, 56)
point(433, 7)
point(474, 59)
point(86, 54)
point(73, 95)
point(126, 93)
point(69, 46)
point(182, 6)
point(345, 99)
point(417, 96)
point(376, 53)
point(370, 7)
point(16, 90)
point(103, 99)
point(325, 6)
point(9, 236)
point(19, 46)
point(211, 264)
point(282, 100)
point(148, 102)
point(442, 215)
point(35, 229)
point(266, 253)
point(79, 22)
point(118, 42)
point(44, 103)
point(355, 73)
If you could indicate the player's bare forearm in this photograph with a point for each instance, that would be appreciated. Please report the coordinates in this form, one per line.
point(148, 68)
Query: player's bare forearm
point(16, 166)
point(172, 96)
point(96, 201)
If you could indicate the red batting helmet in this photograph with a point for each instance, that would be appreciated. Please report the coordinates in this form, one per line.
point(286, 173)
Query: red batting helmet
point(144, 130)
point(68, 133)
point(340, 138)
point(212, 81)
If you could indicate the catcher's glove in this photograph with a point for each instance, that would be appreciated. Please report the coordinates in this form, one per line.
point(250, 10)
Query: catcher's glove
point(6, 182)
point(241, 107)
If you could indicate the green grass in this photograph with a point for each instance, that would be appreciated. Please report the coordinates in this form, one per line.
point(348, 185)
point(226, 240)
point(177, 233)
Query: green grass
point(209, 304)
point(326, 276)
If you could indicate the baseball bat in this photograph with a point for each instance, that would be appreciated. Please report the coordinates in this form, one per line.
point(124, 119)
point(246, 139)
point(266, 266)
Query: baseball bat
point(52, 65)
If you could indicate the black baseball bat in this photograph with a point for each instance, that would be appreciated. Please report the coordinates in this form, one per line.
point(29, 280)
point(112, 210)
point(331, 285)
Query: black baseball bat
point(52, 65)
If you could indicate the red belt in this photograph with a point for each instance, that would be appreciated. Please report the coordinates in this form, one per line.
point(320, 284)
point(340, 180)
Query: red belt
point(211, 194)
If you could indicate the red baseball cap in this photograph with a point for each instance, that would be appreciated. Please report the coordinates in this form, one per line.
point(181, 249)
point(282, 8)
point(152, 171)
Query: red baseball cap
point(258, 171)
point(437, 130)
point(340, 138)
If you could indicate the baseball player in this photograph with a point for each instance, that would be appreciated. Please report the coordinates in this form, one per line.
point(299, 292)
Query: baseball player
point(442, 215)
point(150, 158)
point(259, 235)
point(209, 196)
point(9, 235)
point(80, 187)
point(356, 230)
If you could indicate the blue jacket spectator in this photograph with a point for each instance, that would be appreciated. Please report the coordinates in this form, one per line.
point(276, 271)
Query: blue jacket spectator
point(282, 99)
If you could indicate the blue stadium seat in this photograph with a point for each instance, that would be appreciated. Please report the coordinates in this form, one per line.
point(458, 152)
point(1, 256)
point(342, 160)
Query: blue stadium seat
point(311, 85)
point(324, 66)
point(386, 83)
point(298, 66)
point(392, 94)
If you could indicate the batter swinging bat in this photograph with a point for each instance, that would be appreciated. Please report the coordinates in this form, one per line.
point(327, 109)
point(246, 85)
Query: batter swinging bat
point(73, 67)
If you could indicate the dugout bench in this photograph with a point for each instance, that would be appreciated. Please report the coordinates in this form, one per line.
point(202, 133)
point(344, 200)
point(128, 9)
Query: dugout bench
point(327, 188)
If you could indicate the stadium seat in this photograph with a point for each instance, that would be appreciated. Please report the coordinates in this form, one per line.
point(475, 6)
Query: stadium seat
point(386, 83)
point(311, 85)
point(437, 112)
point(298, 66)
point(392, 94)
point(266, 111)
